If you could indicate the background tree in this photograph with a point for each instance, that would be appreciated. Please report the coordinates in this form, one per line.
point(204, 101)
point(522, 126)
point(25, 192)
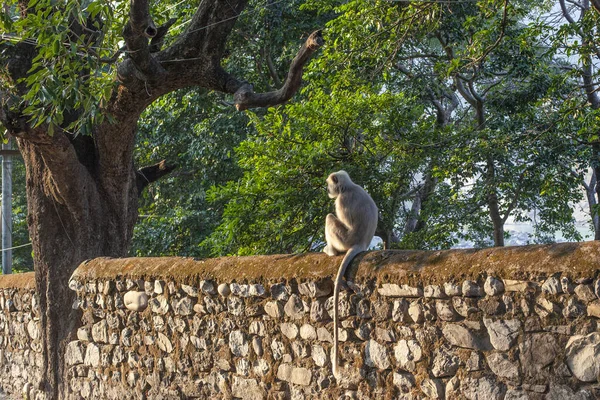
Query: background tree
point(21, 253)
point(174, 214)
point(471, 150)
point(72, 98)
point(575, 98)
point(355, 128)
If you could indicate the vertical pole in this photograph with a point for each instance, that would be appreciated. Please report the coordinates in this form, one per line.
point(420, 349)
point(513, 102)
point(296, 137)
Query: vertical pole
point(6, 210)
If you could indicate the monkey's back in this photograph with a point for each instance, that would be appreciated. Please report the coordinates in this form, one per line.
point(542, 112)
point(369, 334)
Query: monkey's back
point(357, 210)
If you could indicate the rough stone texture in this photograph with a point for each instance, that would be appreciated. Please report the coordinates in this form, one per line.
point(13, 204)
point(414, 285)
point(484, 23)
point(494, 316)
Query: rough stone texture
point(502, 366)
point(316, 289)
point(432, 388)
point(294, 308)
point(445, 363)
point(434, 291)
point(583, 356)
point(536, 352)
point(552, 286)
point(416, 312)
point(512, 285)
point(593, 309)
point(295, 375)
point(20, 339)
point(247, 389)
point(394, 290)
point(452, 289)
point(465, 307)
point(484, 388)
point(408, 353)
point(445, 311)
point(135, 301)
point(376, 355)
point(585, 293)
point(267, 333)
point(461, 336)
point(404, 381)
point(503, 333)
point(471, 289)
point(493, 286)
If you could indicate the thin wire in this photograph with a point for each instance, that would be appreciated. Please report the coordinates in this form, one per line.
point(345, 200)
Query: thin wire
point(243, 13)
point(17, 247)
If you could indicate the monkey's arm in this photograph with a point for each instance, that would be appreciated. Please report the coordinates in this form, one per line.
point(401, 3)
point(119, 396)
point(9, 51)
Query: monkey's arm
point(336, 234)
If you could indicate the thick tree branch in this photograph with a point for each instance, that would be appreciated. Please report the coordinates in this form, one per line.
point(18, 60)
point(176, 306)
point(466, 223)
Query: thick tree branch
point(464, 92)
point(152, 173)
point(212, 21)
point(136, 33)
point(244, 96)
point(589, 85)
point(566, 12)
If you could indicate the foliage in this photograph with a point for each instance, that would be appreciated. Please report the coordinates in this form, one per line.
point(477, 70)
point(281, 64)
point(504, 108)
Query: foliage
point(297, 146)
point(198, 131)
point(365, 131)
point(254, 183)
point(194, 131)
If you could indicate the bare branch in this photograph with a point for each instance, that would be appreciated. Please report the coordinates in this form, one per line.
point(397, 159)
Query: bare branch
point(417, 55)
point(203, 39)
point(271, 67)
point(245, 97)
point(589, 85)
point(498, 40)
point(113, 59)
point(464, 92)
point(566, 12)
point(152, 173)
point(515, 199)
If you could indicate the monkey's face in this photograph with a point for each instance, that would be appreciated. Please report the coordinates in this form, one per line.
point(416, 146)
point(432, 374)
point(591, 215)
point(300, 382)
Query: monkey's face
point(332, 186)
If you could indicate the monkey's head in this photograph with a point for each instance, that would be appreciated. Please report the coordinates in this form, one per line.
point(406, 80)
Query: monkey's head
point(337, 183)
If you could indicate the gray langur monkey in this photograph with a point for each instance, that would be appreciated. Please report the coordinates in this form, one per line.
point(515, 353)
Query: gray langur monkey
point(350, 232)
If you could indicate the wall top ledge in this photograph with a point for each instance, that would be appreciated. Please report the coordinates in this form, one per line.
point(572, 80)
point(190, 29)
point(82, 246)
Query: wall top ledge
point(575, 260)
point(22, 281)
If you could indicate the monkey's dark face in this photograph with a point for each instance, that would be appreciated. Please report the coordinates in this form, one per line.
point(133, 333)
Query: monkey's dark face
point(332, 186)
point(336, 182)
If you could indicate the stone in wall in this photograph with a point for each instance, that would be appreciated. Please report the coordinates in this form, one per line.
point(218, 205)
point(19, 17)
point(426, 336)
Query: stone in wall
point(583, 356)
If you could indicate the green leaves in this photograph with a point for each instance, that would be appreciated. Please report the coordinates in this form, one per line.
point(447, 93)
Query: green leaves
point(67, 74)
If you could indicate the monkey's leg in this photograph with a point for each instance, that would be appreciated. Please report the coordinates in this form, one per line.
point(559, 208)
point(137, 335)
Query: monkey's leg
point(336, 234)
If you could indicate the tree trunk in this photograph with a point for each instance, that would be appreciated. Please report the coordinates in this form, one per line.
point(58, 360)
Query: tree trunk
point(415, 222)
point(593, 192)
point(66, 228)
point(493, 206)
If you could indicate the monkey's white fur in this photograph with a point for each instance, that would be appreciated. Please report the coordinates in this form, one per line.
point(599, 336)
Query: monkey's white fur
point(350, 232)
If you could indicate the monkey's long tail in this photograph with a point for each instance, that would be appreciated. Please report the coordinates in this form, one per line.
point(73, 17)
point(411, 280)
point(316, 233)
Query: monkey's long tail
point(350, 254)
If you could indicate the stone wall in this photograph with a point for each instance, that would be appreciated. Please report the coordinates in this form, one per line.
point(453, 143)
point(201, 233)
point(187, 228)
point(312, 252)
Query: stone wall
point(512, 323)
point(20, 344)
